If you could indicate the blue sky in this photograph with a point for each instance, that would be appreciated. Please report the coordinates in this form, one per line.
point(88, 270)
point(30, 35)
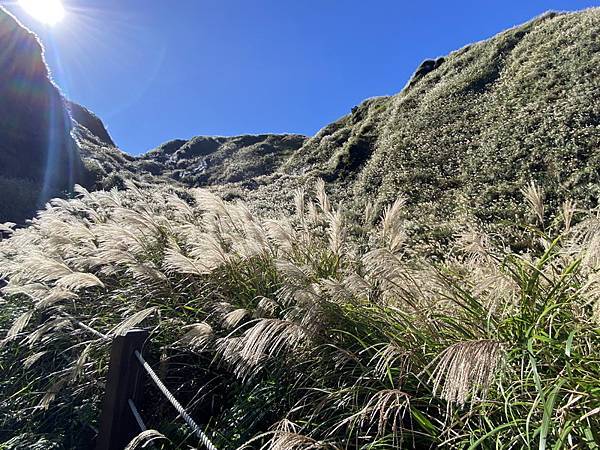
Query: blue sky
point(160, 70)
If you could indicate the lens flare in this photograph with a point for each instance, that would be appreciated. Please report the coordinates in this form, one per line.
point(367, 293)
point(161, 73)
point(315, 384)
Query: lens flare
point(49, 12)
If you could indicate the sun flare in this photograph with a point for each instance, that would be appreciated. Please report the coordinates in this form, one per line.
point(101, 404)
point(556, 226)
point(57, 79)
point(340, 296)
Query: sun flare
point(49, 12)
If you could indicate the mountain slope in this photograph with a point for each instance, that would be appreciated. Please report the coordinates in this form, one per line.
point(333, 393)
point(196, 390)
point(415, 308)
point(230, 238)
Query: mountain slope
point(465, 137)
point(38, 157)
point(218, 160)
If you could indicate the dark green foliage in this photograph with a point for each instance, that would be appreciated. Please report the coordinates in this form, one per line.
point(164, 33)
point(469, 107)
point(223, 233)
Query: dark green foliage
point(20, 199)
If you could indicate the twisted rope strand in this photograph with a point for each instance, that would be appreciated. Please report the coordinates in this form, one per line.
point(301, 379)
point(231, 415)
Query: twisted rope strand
point(180, 409)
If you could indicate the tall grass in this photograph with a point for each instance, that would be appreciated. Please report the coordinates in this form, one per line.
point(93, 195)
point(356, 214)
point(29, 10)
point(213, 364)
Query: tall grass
point(308, 331)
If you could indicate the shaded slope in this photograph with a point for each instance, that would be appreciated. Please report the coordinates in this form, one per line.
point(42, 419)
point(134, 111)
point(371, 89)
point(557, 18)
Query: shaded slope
point(38, 157)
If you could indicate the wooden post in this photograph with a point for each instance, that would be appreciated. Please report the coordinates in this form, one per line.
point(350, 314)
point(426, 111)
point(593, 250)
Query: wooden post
point(117, 424)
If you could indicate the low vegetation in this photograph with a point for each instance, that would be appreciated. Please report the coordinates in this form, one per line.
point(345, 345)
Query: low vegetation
point(303, 331)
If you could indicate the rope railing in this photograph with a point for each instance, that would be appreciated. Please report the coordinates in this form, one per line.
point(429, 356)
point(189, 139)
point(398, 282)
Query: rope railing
point(180, 409)
point(123, 389)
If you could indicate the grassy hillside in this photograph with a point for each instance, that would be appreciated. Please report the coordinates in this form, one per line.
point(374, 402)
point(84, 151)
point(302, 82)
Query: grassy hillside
point(463, 139)
point(217, 160)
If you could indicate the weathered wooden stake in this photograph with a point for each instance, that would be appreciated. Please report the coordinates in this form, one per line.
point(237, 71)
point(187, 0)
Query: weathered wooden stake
point(117, 423)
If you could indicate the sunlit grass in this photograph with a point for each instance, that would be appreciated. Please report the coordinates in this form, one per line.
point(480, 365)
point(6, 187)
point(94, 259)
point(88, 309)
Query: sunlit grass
point(303, 331)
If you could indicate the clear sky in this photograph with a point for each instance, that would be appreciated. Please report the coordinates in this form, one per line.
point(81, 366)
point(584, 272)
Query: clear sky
point(159, 70)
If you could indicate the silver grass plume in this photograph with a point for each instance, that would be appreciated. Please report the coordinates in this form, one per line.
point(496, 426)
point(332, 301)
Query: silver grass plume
point(568, 208)
point(132, 321)
point(145, 438)
point(282, 440)
point(18, 325)
point(476, 245)
point(148, 273)
point(266, 338)
point(322, 196)
point(282, 234)
point(79, 280)
point(534, 195)
point(336, 231)
point(54, 296)
point(300, 202)
point(286, 436)
point(198, 335)
point(32, 359)
point(235, 317)
point(393, 226)
point(49, 330)
point(269, 337)
point(467, 369)
point(370, 213)
point(387, 407)
point(210, 252)
point(7, 228)
point(51, 393)
point(176, 262)
point(389, 356)
point(267, 307)
point(42, 268)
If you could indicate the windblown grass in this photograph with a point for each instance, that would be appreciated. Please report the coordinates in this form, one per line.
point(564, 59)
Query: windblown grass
point(306, 331)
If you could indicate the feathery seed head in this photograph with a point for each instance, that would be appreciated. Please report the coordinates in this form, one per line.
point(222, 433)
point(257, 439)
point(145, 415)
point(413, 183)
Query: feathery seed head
point(466, 369)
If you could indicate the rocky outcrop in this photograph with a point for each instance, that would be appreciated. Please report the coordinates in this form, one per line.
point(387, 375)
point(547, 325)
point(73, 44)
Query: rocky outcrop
point(83, 117)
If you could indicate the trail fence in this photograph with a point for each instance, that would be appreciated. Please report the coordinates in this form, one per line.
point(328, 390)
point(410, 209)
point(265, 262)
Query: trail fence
point(120, 419)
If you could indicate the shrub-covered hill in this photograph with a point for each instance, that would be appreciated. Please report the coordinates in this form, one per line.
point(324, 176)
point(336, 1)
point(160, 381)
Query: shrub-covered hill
point(466, 136)
point(218, 160)
point(327, 325)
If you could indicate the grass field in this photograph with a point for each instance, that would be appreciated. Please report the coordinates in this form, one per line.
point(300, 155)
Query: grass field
point(305, 331)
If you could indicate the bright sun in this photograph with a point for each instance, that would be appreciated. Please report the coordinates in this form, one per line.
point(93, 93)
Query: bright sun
point(49, 12)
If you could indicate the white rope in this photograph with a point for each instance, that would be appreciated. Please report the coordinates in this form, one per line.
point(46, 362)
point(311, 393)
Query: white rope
point(193, 425)
point(86, 327)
